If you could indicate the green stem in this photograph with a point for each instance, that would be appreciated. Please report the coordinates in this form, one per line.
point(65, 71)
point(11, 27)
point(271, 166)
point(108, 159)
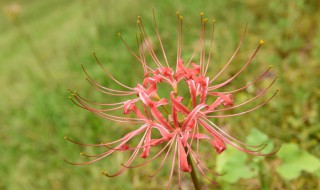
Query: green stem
point(194, 175)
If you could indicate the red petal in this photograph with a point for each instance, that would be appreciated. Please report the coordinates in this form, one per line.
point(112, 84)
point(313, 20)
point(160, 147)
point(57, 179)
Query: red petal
point(185, 167)
point(218, 144)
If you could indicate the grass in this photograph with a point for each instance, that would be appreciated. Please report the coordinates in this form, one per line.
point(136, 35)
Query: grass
point(35, 112)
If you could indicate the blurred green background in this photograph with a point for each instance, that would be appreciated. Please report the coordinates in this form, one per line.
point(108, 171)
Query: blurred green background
point(44, 43)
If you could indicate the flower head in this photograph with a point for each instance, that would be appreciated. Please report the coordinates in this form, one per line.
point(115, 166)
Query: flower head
point(180, 121)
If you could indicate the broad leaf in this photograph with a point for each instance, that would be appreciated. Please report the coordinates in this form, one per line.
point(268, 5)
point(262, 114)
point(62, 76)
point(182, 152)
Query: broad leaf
point(232, 164)
point(295, 160)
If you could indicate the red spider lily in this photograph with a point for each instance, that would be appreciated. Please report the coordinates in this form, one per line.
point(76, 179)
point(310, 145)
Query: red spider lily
point(181, 126)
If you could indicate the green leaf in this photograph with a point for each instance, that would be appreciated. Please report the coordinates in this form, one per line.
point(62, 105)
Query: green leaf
point(295, 160)
point(232, 164)
point(256, 138)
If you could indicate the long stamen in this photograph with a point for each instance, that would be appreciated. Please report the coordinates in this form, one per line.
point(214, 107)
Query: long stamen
point(97, 159)
point(180, 20)
point(113, 91)
point(234, 76)
point(142, 61)
point(196, 159)
point(141, 53)
point(173, 163)
point(199, 162)
point(149, 45)
point(251, 99)
point(199, 41)
point(251, 83)
point(103, 89)
point(164, 158)
point(232, 57)
point(94, 54)
point(203, 48)
point(202, 172)
point(133, 156)
point(241, 113)
point(100, 110)
point(100, 89)
point(159, 38)
point(224, 135)
point(210, 50)
point(256, 152)
point(96, 103)
point(154, 157)
point(112, 117)
point(142, 50)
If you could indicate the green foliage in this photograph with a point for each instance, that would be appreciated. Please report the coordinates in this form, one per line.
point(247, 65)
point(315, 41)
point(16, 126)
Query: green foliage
point(236, 164)
point(294, 161)
point(256, 137)
point(232, 165)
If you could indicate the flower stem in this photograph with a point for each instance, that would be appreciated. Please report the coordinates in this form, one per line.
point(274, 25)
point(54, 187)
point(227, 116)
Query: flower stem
point(194, 175)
